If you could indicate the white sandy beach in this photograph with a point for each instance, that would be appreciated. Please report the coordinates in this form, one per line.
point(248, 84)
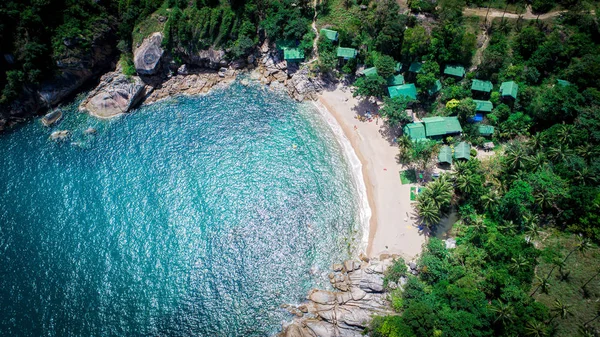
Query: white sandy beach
point(392, 225)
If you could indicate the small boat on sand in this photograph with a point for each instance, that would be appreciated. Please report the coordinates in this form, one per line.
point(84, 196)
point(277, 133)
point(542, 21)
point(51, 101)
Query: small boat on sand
point(52, 117)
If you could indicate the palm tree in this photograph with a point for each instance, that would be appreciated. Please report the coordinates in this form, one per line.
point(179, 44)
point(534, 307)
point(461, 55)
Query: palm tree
point(441, 191)
point(536, 162)
point(465, 184)
point(591, 278)
point(583, 245)
point(489, 199)
point(543, 200)
point(519, 263)
point(564, 132)
point(594, 318)
point(559, 308)
point(504, 313)
point(536, 329)
point(508, 227)
point(536, 141)
point(584, 331)
point(515, 156)
point(429, 213)
point(540, 283)
point(584, 175)
point(532, 230)
point(479, 225)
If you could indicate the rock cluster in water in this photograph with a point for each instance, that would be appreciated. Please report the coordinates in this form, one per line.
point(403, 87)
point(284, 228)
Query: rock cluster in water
point(359, 295)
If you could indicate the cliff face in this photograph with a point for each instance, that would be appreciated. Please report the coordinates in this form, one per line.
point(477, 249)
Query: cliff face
point(74, 70)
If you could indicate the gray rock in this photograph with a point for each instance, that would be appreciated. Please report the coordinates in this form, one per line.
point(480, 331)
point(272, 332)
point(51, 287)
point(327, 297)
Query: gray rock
point(337, 267)
point(250, 59)
point(372, 283)
point(147, 57)
point(322, 297)
point(116, 94)
point(302, 86)
point(412, 265)
point(59, 135)
point(183, 70)
point(237, 64)
point(450, 243)
point(207, 58)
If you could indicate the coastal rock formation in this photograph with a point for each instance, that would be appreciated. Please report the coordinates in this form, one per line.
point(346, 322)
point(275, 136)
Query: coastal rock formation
point(191, 84)
point(302, 85)
point(77, 67)
point(208, 58)
point(116, 94)
point(347, 311)
point(147, 57)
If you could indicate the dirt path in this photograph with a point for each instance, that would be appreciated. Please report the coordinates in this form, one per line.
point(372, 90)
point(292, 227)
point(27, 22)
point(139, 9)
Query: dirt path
point(479, 53)
point(314, 28)
point(496, 13)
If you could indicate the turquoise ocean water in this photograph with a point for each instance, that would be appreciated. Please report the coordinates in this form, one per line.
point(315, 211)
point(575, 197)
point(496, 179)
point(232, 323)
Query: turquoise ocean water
point(195, 216)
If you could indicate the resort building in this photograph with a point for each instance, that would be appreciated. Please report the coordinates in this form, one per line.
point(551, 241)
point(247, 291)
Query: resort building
point(486, 130)
point(462, 151)
point(370, 72)
point(563, 83)
point(483, 106)
point(445, 156)
point(482, 86)
point(407, 90)
point(293, 55)
point(433, 127)
point(331, 35)
point(435, 89)
point(346, 53)
point(415, 67)
point(395, 80)
point(398, 68)
point(456, 71)
point(509, 90)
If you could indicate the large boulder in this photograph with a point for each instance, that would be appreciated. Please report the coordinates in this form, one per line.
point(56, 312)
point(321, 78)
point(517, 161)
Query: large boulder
point(116, 94)
point(207, 58)
point(147, 57)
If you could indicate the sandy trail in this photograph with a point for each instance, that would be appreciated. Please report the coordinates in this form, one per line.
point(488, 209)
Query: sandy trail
point(392, 227)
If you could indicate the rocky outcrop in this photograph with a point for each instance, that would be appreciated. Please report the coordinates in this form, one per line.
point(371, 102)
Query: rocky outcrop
point(347, 311)
point(77, 67)
point(116, 94)
point(148, 55)
point(208, 58)
point(302, 86)
point(191, 84)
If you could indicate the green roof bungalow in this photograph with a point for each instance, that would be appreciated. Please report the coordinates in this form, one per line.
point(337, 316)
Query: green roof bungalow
point(482, 86)
point(407, 90)
point(293, 55)
point(398, 67)
point(445, 156)
point(285, 44)
point(415, 67)
point(331, 35)
point(563, 83)
point(483, 106)
point(416, 131)
point(457, 71)
point(462, 151)
point(509, 89)
point(370, 72)
point(486, 130)
point(441, 126)
point(395, 80)
point(346, 53)
point(435, 89)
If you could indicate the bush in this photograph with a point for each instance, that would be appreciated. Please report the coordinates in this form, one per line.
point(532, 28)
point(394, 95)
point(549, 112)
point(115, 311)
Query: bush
point(394, 272)
point(473, 152)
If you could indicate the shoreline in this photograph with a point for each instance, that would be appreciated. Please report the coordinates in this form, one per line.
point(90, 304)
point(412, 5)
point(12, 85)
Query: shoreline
point(392, 228)
point(359, 176)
